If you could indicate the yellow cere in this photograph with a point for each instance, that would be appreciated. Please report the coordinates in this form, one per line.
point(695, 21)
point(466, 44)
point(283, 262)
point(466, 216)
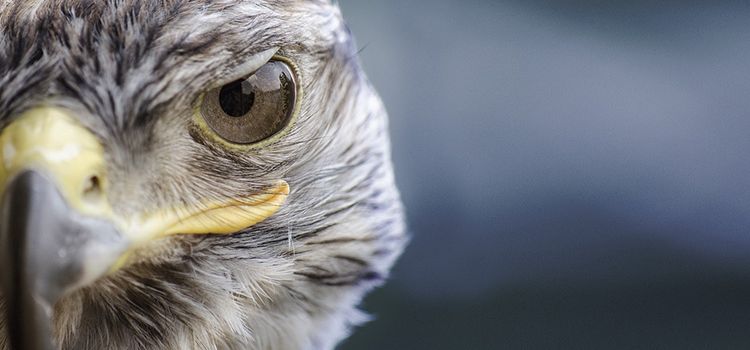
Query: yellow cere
point(50, 141)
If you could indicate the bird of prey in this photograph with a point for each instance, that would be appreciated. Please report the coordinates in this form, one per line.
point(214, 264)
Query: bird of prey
point(188, 174)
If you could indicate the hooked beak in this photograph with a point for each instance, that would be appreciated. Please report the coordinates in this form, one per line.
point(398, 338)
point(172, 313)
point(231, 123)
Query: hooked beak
point(58, 231)
point(48, 249)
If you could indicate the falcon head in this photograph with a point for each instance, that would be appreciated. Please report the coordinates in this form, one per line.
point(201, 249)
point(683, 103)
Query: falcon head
point(185, 174)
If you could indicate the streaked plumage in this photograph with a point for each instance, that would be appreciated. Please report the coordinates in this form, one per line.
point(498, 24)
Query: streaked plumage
point(132, 70)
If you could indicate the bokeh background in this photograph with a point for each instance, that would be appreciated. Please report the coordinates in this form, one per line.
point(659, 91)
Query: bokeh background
point(576, 172)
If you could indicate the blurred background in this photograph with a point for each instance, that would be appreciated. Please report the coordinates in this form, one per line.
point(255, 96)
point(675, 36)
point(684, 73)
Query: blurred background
point(576, 172)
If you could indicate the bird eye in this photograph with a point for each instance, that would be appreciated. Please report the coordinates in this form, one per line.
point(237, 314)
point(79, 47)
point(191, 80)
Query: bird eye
point(255, 108)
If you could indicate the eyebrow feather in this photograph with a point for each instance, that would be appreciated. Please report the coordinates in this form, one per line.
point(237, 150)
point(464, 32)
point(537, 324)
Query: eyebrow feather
point(247, 66)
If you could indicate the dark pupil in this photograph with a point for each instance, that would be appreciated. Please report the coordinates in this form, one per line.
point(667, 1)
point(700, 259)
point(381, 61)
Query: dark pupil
point(233, 101)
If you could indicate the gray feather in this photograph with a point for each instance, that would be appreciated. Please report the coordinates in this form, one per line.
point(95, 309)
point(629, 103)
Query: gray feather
point(132, 71)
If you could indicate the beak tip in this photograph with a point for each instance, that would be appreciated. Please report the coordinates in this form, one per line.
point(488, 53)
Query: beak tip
point(46, 250)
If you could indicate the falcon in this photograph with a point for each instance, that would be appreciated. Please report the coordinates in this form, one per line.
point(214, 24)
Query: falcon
point(188, 174)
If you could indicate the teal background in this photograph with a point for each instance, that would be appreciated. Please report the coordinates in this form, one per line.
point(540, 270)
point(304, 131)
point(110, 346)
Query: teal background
point(575, 173)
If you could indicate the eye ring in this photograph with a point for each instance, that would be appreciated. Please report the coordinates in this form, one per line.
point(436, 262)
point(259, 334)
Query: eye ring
point(254, 111)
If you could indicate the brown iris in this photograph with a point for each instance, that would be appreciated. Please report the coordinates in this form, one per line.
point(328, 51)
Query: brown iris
point(255, 108)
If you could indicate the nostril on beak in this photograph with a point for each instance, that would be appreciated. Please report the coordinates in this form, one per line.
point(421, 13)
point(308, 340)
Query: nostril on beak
point(92, 190)
point(47, 250)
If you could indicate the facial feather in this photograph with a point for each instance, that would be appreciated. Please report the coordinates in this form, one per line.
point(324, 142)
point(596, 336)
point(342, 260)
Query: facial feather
point(132, 71)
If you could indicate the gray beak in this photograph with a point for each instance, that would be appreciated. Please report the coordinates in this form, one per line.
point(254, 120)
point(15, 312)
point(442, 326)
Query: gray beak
point(46, 251)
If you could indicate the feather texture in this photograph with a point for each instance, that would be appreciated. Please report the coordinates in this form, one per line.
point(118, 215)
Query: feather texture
point(132, 72)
